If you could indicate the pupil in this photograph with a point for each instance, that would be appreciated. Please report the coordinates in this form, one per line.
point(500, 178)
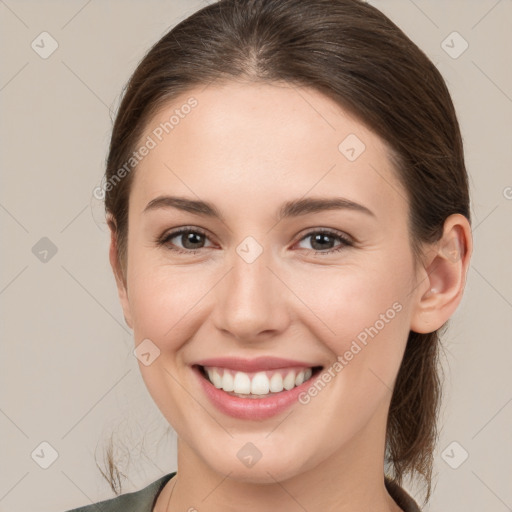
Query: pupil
point(189, 238)
point(319, 238)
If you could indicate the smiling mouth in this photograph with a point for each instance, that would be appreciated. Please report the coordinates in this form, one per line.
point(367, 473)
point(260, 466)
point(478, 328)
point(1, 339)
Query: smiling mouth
point(261, 384)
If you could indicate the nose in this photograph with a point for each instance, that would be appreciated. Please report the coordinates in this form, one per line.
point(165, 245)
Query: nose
point(251, 302)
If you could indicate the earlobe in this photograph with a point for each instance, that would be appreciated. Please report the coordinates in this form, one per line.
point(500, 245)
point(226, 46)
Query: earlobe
point(444, 274)
point(118, 273)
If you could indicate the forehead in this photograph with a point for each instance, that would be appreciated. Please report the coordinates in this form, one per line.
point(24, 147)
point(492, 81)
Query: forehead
point(258, 144)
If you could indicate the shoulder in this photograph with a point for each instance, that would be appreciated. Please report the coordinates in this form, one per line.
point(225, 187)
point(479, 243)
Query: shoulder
point(138, 501)
point(401, 497)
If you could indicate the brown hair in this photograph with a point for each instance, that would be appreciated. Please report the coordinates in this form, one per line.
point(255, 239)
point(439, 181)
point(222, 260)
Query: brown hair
point(354, 54)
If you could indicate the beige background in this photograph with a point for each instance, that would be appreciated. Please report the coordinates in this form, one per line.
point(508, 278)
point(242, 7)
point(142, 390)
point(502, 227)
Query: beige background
point(68, 376)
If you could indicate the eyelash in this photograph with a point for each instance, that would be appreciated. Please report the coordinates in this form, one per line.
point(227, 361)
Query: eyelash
point(164, 240)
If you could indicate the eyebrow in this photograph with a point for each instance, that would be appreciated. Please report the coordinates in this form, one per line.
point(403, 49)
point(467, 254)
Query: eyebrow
point(289, 209)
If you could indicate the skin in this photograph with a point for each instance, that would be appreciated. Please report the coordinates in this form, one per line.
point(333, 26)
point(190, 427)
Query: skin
point(248, 148)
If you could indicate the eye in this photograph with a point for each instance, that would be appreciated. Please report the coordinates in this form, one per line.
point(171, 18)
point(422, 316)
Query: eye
point(321, 241)
point(193, 240)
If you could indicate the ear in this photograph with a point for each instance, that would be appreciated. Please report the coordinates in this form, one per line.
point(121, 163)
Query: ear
point(122, 289)
point(442, 276)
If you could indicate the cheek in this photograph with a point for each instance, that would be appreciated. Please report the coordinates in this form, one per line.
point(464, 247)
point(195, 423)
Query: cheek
point(350, 298)
point(166, 300)
point(362, 314)
point(363, 319)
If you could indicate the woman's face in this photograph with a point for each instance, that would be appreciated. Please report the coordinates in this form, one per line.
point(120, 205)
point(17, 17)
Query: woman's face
point(278, 274)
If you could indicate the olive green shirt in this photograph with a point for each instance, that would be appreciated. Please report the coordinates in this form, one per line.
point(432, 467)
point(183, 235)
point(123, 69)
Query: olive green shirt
point(145, 499)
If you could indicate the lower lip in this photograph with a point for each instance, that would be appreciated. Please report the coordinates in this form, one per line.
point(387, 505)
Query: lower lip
point(250, 408)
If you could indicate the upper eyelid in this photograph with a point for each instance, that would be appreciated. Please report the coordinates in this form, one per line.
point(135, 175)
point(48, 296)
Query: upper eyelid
point(167, 235)
point(326, 231)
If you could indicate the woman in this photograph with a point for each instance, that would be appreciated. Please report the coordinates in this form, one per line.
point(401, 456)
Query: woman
point(290, 231)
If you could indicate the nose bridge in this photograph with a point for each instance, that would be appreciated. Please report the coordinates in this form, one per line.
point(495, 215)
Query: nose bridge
point(249, 302)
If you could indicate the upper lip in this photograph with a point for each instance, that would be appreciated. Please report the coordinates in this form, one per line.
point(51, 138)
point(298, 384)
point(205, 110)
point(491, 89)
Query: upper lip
point(253, 365)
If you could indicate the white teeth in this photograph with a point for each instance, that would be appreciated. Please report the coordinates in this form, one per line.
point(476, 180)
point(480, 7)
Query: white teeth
point(242, 383)
point(214, 377)
point(276, 383)
point(289, 381)
point(259, 384)
point(227, 382)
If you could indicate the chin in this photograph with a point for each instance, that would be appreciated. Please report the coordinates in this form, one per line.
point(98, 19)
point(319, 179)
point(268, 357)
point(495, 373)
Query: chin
point(267, 470)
